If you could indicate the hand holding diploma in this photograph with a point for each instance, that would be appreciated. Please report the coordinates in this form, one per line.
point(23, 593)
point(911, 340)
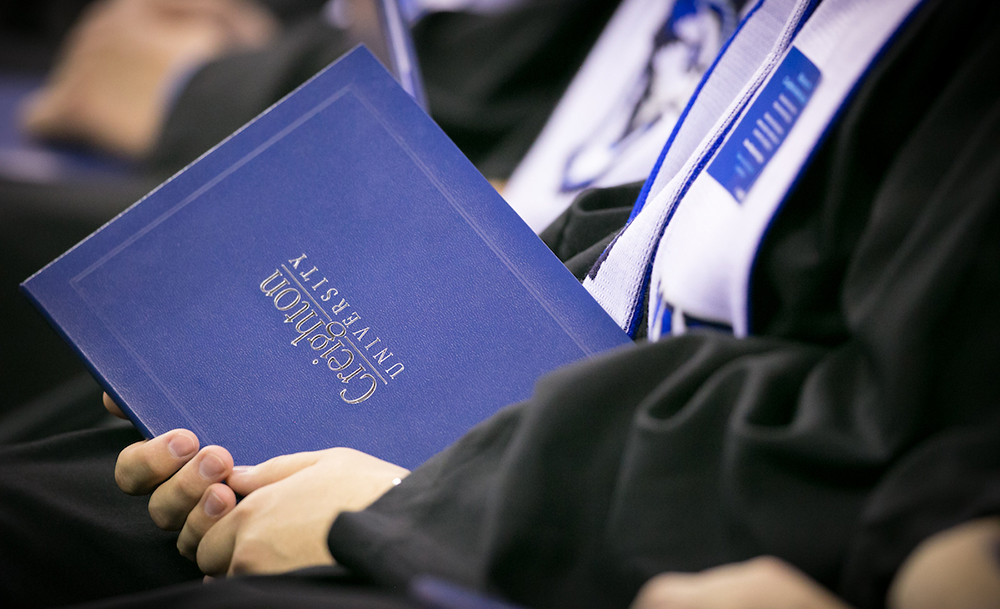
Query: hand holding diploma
point(289, 502)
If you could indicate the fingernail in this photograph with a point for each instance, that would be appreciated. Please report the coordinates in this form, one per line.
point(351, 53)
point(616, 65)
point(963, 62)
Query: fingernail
point(214, 505)
point(182, 445)
point(211, 467)
point(242, 469)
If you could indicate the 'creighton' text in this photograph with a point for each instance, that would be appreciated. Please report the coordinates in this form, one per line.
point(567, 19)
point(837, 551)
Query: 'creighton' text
point(357, 355)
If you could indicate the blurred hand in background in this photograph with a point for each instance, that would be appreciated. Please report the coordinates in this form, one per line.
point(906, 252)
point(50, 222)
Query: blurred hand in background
point(112, 85)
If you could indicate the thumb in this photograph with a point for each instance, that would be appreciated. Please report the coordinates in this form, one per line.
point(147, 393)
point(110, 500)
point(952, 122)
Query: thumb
point(244, 480)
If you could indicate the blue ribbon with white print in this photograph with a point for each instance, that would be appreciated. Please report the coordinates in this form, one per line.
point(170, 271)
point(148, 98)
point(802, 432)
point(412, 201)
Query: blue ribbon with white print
point(746, 135)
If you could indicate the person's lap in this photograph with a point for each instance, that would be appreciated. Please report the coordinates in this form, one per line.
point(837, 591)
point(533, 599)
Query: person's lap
point(69, 535)
point(306, 589)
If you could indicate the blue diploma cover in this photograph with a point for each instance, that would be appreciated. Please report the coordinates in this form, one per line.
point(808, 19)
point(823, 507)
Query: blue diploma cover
point(336, 273)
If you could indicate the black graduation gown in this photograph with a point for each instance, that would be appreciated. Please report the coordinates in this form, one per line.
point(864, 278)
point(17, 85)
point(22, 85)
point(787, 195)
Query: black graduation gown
point(860, 419)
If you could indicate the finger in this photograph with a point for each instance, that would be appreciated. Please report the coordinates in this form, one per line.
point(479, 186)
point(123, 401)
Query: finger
point(663, 591)
point(113, 408)
point(245, 480)
point(172, 502)
point(217, 501)
point(144, 465)
point(215, 552)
